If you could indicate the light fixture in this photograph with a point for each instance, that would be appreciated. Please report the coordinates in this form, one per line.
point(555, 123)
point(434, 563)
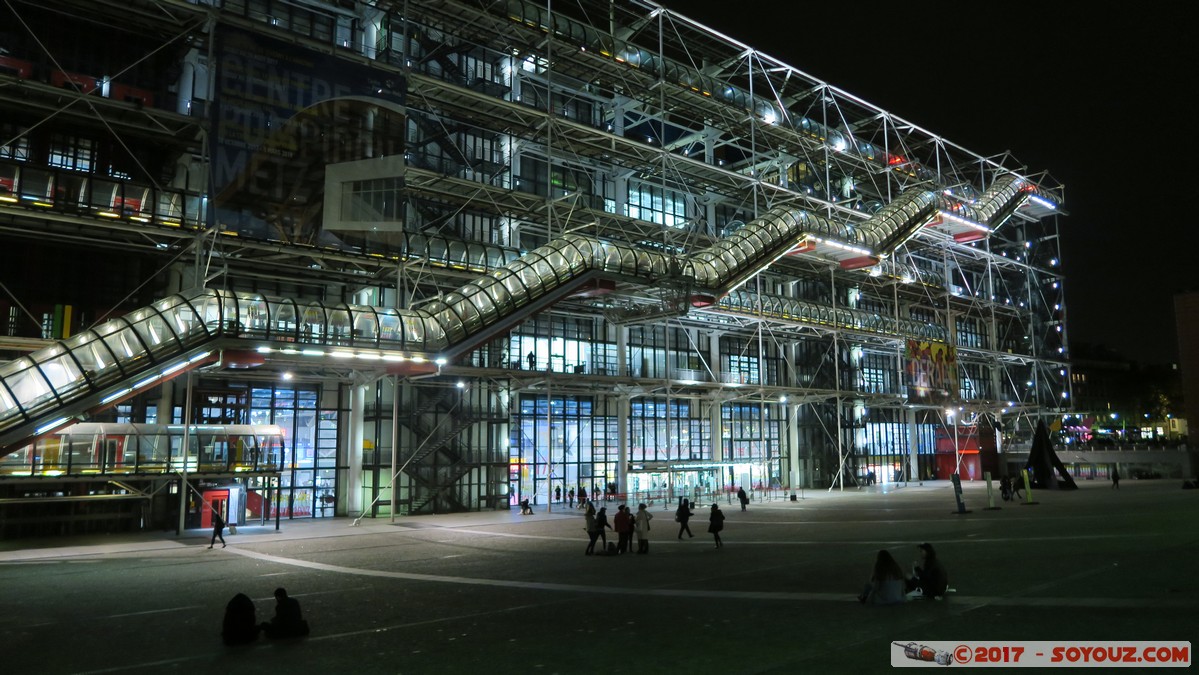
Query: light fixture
point(1043, 202)
point(145, 382)
point(175, 368)
point(114, 396)
point(52, 425)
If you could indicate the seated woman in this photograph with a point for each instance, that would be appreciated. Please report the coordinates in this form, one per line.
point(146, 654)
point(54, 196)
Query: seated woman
point(886, 585)
point(240, 625)
point(929, 576)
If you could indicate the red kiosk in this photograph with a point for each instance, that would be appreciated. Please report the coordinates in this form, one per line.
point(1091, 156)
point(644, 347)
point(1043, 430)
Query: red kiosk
point(976, 445)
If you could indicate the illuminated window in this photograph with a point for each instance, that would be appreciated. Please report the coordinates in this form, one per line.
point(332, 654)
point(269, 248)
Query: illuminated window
point(657, 205)
point(72, 152)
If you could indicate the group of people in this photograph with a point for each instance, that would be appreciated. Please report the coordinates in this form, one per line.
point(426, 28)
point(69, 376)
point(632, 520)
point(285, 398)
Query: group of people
point(625, 523)
point(888, 585)
point(241, 624)
point(629, 524)
point(582, 502)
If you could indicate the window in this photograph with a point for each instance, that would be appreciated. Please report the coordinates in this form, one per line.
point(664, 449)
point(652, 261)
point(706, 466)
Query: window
point(971, 333)
point(667, 431)
point(72, 152)
point(750, 433)
point(657, 205)
point(16, 144)
point(877, 370)
point(374, 200)
point(562, 181)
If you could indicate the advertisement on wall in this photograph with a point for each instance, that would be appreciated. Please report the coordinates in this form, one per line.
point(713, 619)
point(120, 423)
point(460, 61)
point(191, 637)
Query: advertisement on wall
point(931, 370)
point(281, 113)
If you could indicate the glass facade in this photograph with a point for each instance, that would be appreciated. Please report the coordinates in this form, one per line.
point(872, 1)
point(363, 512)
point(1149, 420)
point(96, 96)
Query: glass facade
point(596, 265)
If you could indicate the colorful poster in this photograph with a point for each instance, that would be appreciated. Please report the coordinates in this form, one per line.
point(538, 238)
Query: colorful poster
point(931, 371)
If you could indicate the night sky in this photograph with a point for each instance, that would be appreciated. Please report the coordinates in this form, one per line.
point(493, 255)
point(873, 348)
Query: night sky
point(1099, 98)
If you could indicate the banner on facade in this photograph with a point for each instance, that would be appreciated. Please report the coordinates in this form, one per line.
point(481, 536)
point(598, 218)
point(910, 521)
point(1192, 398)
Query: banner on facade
point(931, 371)
point(280, 113)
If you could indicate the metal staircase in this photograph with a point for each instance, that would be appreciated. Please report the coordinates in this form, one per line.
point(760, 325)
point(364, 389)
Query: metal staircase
point(433, 478)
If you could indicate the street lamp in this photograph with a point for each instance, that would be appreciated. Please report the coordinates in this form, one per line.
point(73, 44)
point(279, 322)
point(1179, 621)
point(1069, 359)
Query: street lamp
point(792, 449)
point(1114, 417)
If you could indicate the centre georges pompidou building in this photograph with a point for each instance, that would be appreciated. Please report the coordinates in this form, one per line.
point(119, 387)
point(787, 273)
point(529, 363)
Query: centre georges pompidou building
point(334, 258)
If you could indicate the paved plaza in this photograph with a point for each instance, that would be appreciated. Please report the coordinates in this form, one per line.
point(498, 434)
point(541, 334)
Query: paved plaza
point(504, 593)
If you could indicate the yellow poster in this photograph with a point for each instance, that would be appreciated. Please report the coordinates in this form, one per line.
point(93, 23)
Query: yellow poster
point(932, 370)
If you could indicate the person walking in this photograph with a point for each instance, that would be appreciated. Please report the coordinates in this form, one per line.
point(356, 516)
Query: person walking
point(558, 495)
point(682, 515)
point(601, 524)
point(716, 524)
point(218, 529)
point(1115, 478)
point(641, 527)
point(742, 497)
point(590, 526)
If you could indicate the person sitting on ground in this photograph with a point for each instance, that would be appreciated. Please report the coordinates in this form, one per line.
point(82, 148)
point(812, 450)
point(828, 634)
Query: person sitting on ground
point(525, 509)
point(928, 574)
point(240, 625)
point(886, 585)
point(288, 621)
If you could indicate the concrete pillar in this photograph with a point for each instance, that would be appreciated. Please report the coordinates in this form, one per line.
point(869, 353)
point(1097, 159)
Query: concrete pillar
point(622, 350)
point(714, 356)
point(715, 421)
point(797, 468)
